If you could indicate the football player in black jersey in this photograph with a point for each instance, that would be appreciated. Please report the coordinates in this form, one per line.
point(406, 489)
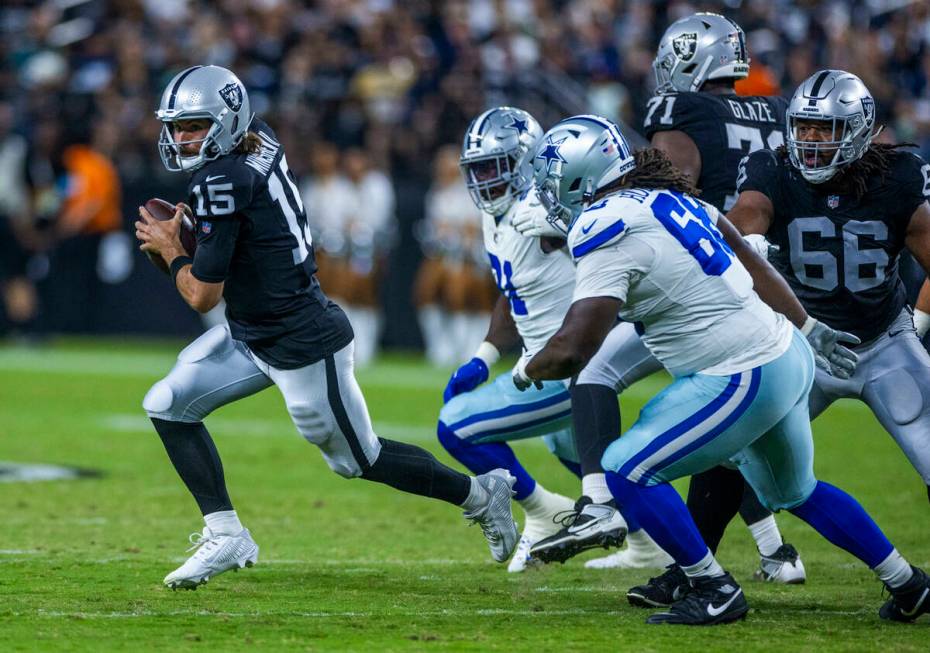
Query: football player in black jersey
point(839, 209)
point(254, 250)
point(700, 123)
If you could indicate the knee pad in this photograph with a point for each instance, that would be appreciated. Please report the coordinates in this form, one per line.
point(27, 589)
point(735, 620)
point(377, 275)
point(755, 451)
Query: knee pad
point(786, 500)
point(615, 456)
point(159, 400)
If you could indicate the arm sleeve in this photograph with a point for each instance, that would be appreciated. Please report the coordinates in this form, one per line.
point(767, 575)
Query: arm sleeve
point(215, 250)
point(606, 272)
point(759, 172)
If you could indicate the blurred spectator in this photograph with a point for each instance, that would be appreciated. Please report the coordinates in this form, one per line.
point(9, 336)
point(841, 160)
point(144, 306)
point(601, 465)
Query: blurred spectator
point(397, 80)
point(369, 234)
point(454, 292)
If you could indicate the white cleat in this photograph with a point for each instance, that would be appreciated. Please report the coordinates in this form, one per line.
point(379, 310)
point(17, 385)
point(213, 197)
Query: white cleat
point(535, 530)
point(783, 566)
point(641, 553)
point(496, 516)
point(214, 554)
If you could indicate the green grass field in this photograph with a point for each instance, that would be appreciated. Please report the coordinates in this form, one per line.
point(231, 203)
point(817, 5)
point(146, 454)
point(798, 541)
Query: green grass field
point(348, 565)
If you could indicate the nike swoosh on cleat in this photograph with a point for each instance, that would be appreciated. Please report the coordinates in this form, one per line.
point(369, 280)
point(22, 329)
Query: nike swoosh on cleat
point(589, 228)
point(715, 611)
point(913, 612)
point(214, 177)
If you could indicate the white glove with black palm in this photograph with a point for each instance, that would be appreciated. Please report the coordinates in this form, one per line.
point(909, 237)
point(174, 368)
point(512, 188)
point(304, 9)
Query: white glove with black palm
point(520, 379)
point(829, 354)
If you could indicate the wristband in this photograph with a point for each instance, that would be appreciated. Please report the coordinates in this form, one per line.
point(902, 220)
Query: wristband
point(488, 353)
point(921, 322)
point(178, 263)
point(809, 325)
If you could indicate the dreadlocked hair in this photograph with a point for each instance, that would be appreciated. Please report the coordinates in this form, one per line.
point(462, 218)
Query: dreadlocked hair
point(854, 178)
point(250, 144)
point(653, 170)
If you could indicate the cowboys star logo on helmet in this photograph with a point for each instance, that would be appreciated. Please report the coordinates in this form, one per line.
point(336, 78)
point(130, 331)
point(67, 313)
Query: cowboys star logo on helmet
point(232, 95)
point(551, 152)
point(685, 46)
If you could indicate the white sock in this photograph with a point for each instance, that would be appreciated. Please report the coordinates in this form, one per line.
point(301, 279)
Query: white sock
point(707, 567)
point(538, 504)
point(765, 533)
point(640, 541)
point(594, 486)
point(894, 570)
point(477, 496)
point(224, 522)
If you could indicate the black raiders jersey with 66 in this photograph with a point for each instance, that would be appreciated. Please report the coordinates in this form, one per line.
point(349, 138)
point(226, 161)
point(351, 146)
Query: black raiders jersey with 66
point(725, 128)
point(252, 234)
point(839, 254)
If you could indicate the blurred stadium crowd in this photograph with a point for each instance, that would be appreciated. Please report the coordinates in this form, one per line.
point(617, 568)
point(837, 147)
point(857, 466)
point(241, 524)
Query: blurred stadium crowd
point(370, 98)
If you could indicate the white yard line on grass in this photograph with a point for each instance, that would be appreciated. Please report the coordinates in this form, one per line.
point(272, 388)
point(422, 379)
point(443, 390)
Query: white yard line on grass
point(489, 612)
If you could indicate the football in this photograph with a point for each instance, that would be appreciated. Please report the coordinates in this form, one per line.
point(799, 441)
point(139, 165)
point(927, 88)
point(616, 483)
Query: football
point(162, 210)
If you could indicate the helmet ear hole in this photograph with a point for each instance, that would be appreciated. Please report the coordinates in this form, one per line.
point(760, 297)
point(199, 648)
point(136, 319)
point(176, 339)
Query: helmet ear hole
point(575, 185)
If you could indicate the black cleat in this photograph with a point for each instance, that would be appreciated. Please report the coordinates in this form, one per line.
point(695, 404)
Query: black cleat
point(710, 601)
point(910, 600)
point(662, 591)
point(589, 526)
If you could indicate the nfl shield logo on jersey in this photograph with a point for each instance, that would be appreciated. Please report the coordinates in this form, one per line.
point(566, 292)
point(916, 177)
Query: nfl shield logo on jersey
point(232, 96)
point(685, 45)
point(833, 201)
point(206, 227)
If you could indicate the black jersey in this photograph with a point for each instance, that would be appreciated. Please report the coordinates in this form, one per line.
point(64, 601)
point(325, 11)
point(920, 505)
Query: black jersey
point(252, 234)
point(839, 254)
point(725, 128)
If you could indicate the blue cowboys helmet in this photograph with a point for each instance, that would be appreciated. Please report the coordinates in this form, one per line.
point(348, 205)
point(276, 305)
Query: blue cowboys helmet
point(698, 48)
point(494, 157)
point(575, 159)
point(842, 100)
point(209, 92)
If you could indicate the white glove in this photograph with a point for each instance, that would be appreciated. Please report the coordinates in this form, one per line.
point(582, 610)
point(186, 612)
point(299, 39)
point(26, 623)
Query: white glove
point(921, 322)
point(532, 222)
point(759, 244)
point(829, 354)
point(520, 379)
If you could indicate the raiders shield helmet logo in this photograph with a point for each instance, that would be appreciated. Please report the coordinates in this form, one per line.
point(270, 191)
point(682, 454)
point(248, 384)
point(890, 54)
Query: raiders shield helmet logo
point(232, 96)
point(685, 45)
point(868, 109)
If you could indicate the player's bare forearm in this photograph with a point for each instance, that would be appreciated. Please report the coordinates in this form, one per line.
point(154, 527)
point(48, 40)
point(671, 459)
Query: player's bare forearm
point(752, 213)
point(199, 295)
point(502, 331)
point(923, 298)
point(766, 280)
point(584, 328)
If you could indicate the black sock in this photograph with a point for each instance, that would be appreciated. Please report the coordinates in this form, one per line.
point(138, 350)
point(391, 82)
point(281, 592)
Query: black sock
point(197, 462)
point(714, 498)
point(596, 417)
point(413, 469)
point(928, 493)
point(751, 509)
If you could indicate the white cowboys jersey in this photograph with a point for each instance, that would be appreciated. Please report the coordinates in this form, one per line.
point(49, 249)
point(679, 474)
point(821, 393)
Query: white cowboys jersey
point(538, 285)
point(660, 253)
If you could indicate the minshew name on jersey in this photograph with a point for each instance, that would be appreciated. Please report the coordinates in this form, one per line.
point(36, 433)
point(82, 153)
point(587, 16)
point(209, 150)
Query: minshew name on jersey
point(264, 158)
